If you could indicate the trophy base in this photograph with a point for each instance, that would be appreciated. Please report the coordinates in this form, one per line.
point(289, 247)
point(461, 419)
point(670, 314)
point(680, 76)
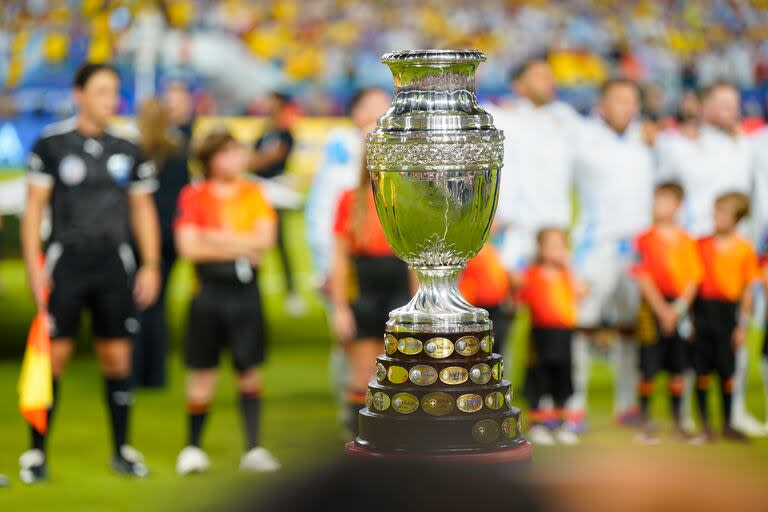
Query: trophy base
point(518, 457)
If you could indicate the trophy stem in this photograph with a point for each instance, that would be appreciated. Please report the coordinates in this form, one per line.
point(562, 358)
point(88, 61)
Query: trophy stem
point(438, 305)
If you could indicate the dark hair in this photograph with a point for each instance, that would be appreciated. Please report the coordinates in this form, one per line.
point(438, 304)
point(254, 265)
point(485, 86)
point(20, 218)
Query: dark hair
point(518, 71)
point(672, 187)
point(705, 92)
point(739, 202)
point(87, 70)
point(617, 82)
point(282, 98)
point(210, 146)
point(359, 95)
point(546, 230)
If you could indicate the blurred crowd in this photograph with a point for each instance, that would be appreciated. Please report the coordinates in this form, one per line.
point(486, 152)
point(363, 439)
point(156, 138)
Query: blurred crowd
point(317, 51)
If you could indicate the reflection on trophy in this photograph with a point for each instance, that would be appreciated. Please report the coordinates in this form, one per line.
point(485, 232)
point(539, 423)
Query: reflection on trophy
point(434, 161)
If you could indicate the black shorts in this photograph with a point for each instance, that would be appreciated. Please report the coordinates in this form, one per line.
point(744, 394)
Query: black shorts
point(713, 351)
point(550, 366)
point(225, 314)
point(383, 286)
point(667, 352)
point(100, 281)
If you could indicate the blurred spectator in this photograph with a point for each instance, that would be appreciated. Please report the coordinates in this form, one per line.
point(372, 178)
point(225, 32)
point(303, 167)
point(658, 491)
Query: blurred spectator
point(268, 160)
point(166, 147)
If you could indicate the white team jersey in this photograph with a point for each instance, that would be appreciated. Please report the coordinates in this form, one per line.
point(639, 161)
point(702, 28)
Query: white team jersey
point(759, 206)
point(614, 182)
point(706, 166)
point(536, 179)
point(338, 171)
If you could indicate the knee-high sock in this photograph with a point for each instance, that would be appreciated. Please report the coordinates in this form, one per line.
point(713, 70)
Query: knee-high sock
point(726, 387)
point(197, 413)
point(764, 375)
point(738, 407)
point(119, 400)
point(686, 412)
point(676, 388)
point(581, 367)
point(355, 403)
point(644, 393)
point(250, 407)
point(626, 376)
point(38, 439)
point(702, 388)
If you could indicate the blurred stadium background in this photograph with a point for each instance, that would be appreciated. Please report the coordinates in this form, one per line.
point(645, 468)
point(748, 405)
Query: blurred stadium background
point(319, 52)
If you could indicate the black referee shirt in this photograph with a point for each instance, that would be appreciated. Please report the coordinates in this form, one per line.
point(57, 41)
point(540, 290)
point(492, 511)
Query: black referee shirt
point(91, 179)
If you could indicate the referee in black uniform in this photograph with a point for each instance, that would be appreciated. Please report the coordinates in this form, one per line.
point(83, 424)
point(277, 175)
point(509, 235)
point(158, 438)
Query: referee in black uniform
point(99, 187)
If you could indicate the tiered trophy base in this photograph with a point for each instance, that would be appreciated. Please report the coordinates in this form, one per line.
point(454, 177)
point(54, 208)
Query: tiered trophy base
point(440, 396)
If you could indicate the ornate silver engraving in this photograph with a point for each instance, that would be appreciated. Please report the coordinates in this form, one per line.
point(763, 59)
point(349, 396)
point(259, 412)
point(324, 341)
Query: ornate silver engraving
point(409, 155)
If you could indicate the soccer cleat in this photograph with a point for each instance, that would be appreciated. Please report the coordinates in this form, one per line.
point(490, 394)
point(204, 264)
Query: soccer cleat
point(541, 435)
point(129, 463)
point(648, 435)
point(566, 437)
point(258, 460)
point(680, 433)
point(631, 417)
point(706, 436)
point(748, 425)
point(192, 460)
point(731, 434)
point(32, 467)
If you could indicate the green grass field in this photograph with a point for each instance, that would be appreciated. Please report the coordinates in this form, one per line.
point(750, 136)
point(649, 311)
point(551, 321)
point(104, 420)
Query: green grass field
point(299, 423)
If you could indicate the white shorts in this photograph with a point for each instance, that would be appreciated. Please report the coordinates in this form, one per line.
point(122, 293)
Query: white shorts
point(613, 298)
point(518, 248)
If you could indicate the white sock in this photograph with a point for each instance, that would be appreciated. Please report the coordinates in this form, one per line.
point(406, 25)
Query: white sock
point(581, 366)
point(738, 406)
point(764, 375)
point(626, 375)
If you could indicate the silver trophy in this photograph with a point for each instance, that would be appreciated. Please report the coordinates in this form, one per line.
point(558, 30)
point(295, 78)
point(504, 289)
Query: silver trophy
point(434, 161)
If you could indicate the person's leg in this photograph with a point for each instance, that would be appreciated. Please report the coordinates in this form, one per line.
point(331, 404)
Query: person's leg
point(362, 357)
point(114, 355)
point(283, 253)
point(675, 388)
point(649, 366)
point(249, 387)
point(702, 401)
point(201, 385)
point(626, 378)
point(61, 353)
point(764, 376)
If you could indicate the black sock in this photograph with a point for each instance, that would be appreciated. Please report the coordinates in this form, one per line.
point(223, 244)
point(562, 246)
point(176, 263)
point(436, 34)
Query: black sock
point(197, 413)
point(726, 407)
point(677, 402)
point(38, 439)
point(119, 400)
point(250, 405)
point(701, 399)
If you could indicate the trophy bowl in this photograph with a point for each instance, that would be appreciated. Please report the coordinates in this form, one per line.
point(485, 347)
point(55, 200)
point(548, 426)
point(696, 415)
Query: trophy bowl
point(434, 161)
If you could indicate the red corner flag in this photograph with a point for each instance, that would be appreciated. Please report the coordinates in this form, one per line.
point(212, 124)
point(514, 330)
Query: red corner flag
point(35, 382)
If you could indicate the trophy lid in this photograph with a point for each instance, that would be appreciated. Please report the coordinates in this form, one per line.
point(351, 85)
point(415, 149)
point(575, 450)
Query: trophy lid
point(434, 92)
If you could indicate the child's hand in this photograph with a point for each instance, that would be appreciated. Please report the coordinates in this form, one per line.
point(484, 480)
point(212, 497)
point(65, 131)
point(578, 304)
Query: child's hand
point(668, 319)
point(344, 324)
point(739, 336)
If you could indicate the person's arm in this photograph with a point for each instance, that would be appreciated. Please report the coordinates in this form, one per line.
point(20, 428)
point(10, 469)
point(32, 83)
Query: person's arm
point(262, 158)
point(343, 320)
point(666, 313)
point(38, 197)
point(146, 232)
point(739, 335)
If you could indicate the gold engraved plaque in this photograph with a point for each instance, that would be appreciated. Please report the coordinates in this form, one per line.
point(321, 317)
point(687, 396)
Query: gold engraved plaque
point(509, 427)
point(498, 371)
point(405, 403)
point(409, 346)
point(423, 375)
point(467, 345)
point(390, 344)
point(486, 345)
point(454, 375)
point(437, 404)
point(469, 402)
point(508, 398)
point(480, 373)
point(494, 400)
point(381, 372)
point(397, 374)
point(439, 348)
point(380, 401)
point(486, 431)
point(368, 398)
